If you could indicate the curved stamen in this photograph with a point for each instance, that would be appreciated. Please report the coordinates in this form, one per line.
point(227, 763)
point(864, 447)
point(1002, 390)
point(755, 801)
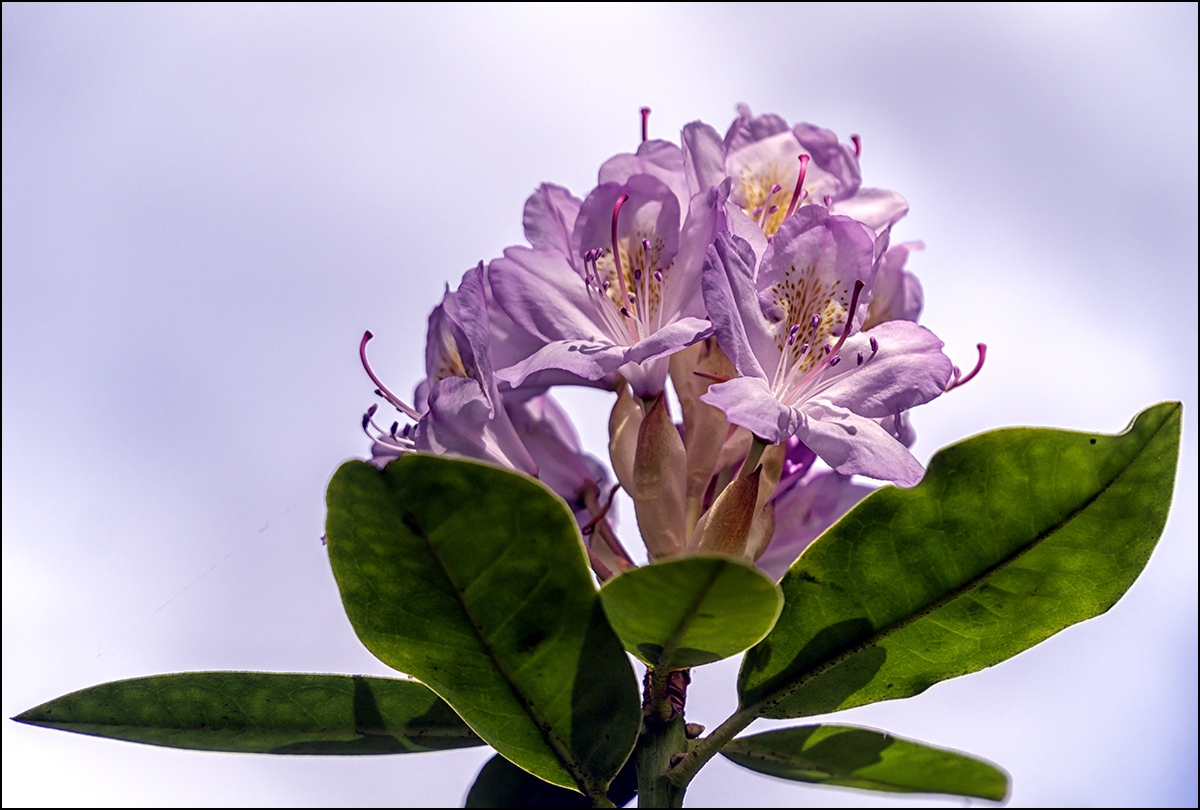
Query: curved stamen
point(402, 442)
point(382, 390)
point(604, 308)
point(645, 120)
point(799, 184)
point(766, 209)
point(647, 315)
point(831, 358)
point(958, 379)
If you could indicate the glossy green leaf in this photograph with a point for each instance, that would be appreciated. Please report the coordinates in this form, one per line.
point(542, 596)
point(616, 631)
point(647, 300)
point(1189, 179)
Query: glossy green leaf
point(262, 713)
point(502, 784)
point(1012, 536)
point(692, 610)
point(849, 756)
point(475, 580)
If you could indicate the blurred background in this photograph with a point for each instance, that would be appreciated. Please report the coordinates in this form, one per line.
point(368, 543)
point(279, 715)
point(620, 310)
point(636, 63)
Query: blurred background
point(205, 206)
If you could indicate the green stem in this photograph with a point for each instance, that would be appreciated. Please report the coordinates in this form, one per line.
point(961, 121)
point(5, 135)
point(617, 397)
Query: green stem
point(657, 746)
point(756, 451)
point(708, 747)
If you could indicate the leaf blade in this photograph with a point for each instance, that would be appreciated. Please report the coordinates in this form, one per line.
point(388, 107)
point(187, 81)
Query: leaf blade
point(262, 712)
point(474, 580)
point(851, 756)
point(690, 611)
point(974, 565)
point(499, 783)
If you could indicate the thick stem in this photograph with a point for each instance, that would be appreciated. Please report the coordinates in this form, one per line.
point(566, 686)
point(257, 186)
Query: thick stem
point(657, 746)
point(707, 748)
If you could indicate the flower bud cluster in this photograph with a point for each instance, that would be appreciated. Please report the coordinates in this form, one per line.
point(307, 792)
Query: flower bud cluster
point(754, 272)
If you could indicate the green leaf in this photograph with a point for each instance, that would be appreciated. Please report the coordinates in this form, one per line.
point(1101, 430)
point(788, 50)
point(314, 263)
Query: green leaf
point(850, 756)
point(502, 784)
point(262, 713)
point(475, 580)
point(690, 611)
point(1012, 536)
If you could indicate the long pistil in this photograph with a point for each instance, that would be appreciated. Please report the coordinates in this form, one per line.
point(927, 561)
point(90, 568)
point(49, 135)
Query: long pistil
point(959, 379)
point(382, 389)
point(626, 300)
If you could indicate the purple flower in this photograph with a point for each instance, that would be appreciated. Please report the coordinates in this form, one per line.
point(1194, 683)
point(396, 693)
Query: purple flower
point(550, 438)
point(776, 169)
point(792, 327)
point(896, 294)
point(596, 311)
point(463, 414)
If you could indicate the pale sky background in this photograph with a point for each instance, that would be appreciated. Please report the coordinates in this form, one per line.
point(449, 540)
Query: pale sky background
point(205, 206)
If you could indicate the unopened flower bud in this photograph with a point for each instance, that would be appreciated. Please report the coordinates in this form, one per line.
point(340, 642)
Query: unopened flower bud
point(726, 526)
point(624, 423)
point(660, 482)
point(762, 529)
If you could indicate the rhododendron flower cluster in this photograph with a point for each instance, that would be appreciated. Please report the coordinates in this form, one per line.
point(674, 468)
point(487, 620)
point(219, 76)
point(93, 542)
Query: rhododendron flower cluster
point(756, 273)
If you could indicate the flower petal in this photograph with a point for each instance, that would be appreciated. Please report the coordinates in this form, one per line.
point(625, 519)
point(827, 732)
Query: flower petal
point(733, 306)
point(909, 369)
point(835, 159)
point(703, 157)
point(542, 293)
point(550, 214)
point(548, 434)
point(876, 208)
point(747, 401)
point(670, 339)
point(896, 294)
point(660, 159)
point(856, 445)
point(652, 211)
point(460, 422)
point(814, 260)
point(705, 219)
point(589, 359)
point(748, 128)
point(803, 513)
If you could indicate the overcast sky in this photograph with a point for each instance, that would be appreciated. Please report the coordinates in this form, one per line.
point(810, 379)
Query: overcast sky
point(205, 206)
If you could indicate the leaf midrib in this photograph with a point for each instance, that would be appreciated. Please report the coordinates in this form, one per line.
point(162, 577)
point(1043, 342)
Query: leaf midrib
point(689, 618)
point(790, 687)
point(556, 744)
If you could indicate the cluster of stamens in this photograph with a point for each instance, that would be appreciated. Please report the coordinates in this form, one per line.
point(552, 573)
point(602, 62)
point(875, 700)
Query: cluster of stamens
point(400, 440)
point(397, 438)
point(633, 302)
point(792, 384)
